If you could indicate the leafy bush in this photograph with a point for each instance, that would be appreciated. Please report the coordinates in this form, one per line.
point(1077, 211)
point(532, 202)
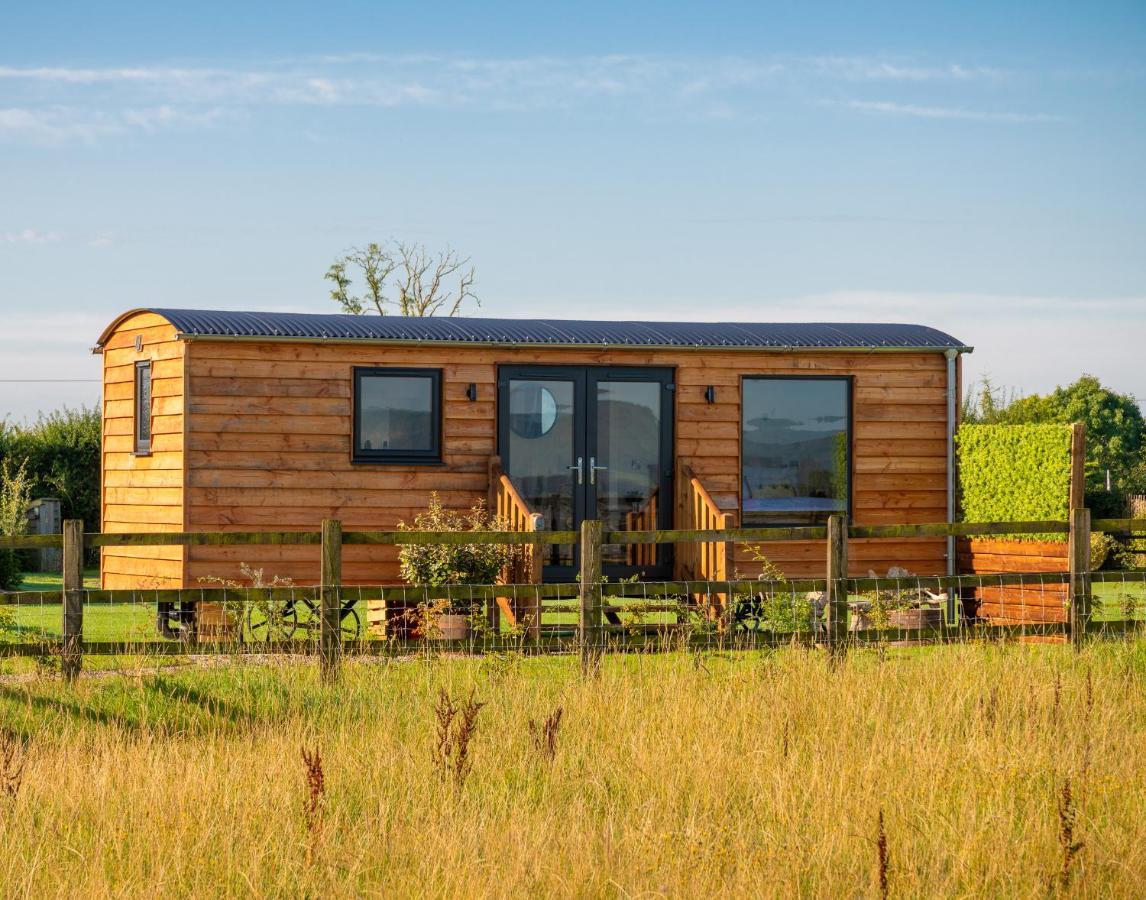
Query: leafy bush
point(1014, 473)
point(15, 495)
point(774, 607)
point(62, 452)
point(1102, 547)
point(442, 564)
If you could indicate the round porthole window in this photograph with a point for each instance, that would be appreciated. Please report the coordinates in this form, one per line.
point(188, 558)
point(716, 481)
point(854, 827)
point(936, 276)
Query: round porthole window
point(532, 410)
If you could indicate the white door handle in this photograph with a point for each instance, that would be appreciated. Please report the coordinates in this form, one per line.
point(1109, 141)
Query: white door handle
point(594, 469)
point(579, 469)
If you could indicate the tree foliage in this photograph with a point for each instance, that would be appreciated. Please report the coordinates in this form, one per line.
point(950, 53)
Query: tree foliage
point(1115, 428)
point(406, 279)
point(15, 495)
point(62, 454)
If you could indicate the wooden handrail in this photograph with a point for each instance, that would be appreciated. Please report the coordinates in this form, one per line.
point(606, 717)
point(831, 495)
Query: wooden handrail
point(703, 560)
point(643, 519)
point(508, 505)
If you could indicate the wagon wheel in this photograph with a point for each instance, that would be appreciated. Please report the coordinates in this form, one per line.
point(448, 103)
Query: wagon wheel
point(272, 622)
point(749, 614)
point(351, 626)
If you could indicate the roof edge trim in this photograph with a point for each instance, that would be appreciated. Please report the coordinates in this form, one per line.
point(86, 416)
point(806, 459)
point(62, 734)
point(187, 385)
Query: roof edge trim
point(111, 329)
point(534, 345)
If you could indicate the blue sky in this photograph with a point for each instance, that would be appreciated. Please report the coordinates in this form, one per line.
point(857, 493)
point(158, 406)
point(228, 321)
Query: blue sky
point(977, 167)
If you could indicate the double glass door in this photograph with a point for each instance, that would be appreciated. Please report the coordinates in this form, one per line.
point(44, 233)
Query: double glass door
point(591, 442)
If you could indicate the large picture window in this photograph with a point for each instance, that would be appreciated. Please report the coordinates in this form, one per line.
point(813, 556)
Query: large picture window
point(143, 407)
point(795, 450)
point(398, 415)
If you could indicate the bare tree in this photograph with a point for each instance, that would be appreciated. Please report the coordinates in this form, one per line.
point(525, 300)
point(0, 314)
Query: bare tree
point(406, 278)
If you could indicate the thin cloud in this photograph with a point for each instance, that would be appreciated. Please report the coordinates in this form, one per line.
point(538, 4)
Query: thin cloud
point(62, 124)
point(29, 236)
point(861, 68)
point(58, 103)
point(911, 110)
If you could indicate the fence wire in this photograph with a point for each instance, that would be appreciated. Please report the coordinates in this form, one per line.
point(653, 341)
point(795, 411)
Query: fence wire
point(626, 616)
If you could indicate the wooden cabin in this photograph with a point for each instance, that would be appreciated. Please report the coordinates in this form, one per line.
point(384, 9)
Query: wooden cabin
point(248, 421)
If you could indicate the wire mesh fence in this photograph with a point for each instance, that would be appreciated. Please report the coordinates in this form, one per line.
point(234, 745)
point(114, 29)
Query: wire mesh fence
point(628, 616)
point(590, 616)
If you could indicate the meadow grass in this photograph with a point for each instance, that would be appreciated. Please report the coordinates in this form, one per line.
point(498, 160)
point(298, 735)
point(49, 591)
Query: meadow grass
point(761, 774)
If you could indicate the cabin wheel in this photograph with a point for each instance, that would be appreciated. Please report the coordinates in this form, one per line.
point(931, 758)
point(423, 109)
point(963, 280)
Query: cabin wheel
point(271, 621)
point(749, 614)
point(351, 626)
point(176, 621)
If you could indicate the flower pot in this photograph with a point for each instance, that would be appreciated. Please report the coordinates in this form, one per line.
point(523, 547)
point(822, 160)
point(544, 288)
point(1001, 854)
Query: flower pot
point(910, 619)
point(450, 627)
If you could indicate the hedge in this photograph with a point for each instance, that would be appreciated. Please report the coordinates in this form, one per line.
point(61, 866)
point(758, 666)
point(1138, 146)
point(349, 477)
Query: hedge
point(1014, 473)
point(62, 453)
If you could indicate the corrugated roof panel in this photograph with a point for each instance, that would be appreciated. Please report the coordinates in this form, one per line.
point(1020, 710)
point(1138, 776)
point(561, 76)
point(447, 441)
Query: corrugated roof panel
point(554, 332)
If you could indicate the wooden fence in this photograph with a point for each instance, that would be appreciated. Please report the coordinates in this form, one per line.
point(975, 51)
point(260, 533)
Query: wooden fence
point(592, 593)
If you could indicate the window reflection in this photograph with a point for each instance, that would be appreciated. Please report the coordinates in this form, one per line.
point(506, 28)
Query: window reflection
point(396, 413)
point(794, 450)
point(540, 453)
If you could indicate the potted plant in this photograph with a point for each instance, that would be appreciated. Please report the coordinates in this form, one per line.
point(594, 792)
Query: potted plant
point(448, 614)
point(898, 607)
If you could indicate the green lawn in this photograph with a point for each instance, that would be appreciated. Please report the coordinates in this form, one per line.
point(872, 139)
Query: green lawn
point(1114, 601)
point(50, 581)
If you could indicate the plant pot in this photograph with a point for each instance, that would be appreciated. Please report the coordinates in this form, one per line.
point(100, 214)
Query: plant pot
point(450, 627)
point(912, 619)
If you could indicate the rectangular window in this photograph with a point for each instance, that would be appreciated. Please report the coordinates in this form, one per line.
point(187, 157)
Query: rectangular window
point(795, 450)
point(398, 415)
point(143, 407)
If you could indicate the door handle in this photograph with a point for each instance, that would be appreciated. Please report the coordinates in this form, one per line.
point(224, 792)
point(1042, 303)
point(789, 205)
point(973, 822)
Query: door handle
point(594, 469)
point(579, 469)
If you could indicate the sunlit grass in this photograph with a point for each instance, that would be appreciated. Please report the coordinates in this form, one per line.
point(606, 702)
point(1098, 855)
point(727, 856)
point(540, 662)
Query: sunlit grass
point(672, 775)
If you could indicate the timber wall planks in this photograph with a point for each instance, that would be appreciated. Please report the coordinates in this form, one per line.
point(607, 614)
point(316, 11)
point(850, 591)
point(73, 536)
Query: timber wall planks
point(143, 493)
point(268, 446)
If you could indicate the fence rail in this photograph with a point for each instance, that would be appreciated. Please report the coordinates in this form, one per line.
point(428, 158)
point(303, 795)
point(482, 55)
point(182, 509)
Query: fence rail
point(725, 535)
point(589, 616)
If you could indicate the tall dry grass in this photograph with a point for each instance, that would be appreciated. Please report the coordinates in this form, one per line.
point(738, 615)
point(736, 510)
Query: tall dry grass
point(761, 775)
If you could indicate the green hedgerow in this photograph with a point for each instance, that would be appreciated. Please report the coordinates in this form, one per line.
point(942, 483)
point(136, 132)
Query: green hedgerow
point(1014, 473)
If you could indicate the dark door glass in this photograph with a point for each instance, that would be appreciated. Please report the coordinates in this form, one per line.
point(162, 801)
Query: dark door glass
point(626, 469)
point(542, 454)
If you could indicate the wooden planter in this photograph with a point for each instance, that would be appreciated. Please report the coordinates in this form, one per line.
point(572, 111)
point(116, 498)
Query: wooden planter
point(398, 620)
point(1016, 604)
point(900, 619)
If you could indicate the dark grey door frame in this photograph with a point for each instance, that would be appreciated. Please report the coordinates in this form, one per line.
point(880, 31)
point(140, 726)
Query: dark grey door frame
point(585, 380)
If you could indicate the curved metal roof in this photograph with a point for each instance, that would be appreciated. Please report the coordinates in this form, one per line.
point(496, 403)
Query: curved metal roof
point(217, 324)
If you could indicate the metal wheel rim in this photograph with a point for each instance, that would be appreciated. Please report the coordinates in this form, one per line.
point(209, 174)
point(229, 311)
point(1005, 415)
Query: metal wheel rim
point(259, 623)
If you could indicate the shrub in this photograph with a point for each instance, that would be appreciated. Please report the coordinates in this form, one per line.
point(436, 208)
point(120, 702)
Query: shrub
point(1014, 473)
point(773, 607)
point(441, 564)
point(62, 451)
point(15, 495)
point(1101, 548)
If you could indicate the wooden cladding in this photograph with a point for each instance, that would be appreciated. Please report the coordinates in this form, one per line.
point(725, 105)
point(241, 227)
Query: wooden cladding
point(251, 435)
point(143, 461)
point(1022, 604)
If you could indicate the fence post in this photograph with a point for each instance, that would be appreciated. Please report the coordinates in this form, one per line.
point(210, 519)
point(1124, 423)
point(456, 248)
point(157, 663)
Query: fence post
point(1078, 465)
point(536, 552)
point(330, 610)
point(71, 659)
point(837, 593)
point(1079, 551)
point(589, 623)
